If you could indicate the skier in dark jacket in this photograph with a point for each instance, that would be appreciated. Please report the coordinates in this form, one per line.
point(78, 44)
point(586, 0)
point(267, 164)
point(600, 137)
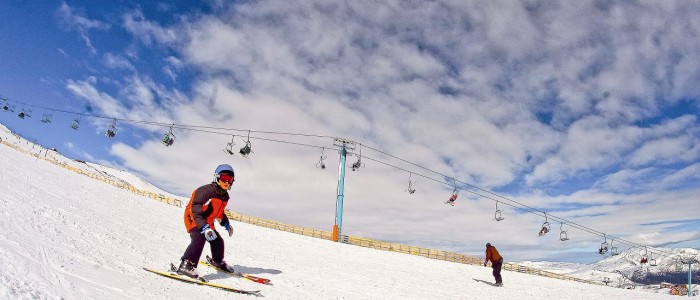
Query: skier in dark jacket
point(496, 263)
point(206, 206)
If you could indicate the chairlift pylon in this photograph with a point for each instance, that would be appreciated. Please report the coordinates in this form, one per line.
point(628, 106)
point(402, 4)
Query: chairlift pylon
point(169, 138)
point(497, 215)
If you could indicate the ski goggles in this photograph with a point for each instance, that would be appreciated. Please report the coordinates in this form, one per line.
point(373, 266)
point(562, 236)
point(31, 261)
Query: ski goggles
point(228, 178)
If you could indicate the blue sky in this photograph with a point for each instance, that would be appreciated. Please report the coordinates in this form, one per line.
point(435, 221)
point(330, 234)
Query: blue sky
point(586, 111)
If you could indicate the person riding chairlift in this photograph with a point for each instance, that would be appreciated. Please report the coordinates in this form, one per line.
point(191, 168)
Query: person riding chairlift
point(452, 200)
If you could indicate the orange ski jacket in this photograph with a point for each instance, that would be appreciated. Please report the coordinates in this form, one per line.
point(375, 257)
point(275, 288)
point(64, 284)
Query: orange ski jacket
point(207, 204)
point(493, 255)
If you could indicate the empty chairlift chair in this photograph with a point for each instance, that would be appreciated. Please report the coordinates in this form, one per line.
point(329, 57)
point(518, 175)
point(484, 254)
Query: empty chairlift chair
point(229, 146)
point(613, 249)
point(498, 214)
point(563, 236)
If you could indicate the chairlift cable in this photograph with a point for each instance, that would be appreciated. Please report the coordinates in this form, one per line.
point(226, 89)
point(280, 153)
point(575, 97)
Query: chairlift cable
point(208, 129)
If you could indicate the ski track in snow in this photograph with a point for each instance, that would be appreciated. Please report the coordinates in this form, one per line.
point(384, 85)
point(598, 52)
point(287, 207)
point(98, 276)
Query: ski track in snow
point(68, 236)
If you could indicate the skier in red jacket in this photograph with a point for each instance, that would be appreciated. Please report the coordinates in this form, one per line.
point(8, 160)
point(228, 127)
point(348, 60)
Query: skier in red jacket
point(496, 263)
point(207, 205)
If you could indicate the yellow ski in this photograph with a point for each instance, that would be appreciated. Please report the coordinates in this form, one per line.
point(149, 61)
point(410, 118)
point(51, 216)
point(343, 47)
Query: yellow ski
point(200, 282)
point(242, 275)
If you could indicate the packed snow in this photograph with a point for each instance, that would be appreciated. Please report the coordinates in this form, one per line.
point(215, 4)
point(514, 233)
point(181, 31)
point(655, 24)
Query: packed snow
point(68, 236)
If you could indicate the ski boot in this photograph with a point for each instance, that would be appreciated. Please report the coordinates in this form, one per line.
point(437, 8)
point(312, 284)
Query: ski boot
point(188, 269)
point(221, 265)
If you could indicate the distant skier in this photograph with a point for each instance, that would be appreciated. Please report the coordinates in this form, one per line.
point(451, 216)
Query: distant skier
point(496, 262)
point(206, 205)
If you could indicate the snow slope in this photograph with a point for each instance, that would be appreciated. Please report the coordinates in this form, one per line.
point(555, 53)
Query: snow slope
point(626, 269)
point(72, 237)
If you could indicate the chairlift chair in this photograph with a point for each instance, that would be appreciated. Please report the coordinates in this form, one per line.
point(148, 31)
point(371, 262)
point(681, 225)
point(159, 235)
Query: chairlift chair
point(229, 146)
point(644, 257)
point(613, 249)
point(112, 130)
point(356, 166)
point(168, 138)
point(452, 199)
point(24, 113)
point(497, 215)
point(563, 236)
point(545, 226)
point(75, 124)
point(603, 246)
point(46, 118)
point(5, 107)
point(245, 151)
point(320, 163)
point(652, 262)
point(410, 188)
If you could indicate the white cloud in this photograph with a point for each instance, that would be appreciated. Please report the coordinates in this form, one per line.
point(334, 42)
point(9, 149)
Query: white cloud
point(147, 31)
point(117, 62)
point(81, 24)
point(492, 95)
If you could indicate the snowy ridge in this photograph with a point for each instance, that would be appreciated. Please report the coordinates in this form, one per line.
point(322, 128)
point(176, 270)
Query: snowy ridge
point(70, 238)
point(626, 269)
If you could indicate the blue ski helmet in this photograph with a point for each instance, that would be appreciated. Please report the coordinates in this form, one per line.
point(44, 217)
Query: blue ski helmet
point(224, 168)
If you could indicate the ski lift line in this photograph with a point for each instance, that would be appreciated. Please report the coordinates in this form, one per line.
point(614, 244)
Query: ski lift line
point(503, 200)
point(519, 206)
point(532, 209)
point(257, 138)
point(181, 126)
point(529, 209)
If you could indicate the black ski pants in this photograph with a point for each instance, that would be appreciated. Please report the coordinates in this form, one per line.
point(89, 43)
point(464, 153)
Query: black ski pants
point(194, 250)
point(497, 271)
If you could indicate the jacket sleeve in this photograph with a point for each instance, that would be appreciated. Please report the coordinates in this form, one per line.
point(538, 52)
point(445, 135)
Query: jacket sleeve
point(200, 198)
point(224, 220)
